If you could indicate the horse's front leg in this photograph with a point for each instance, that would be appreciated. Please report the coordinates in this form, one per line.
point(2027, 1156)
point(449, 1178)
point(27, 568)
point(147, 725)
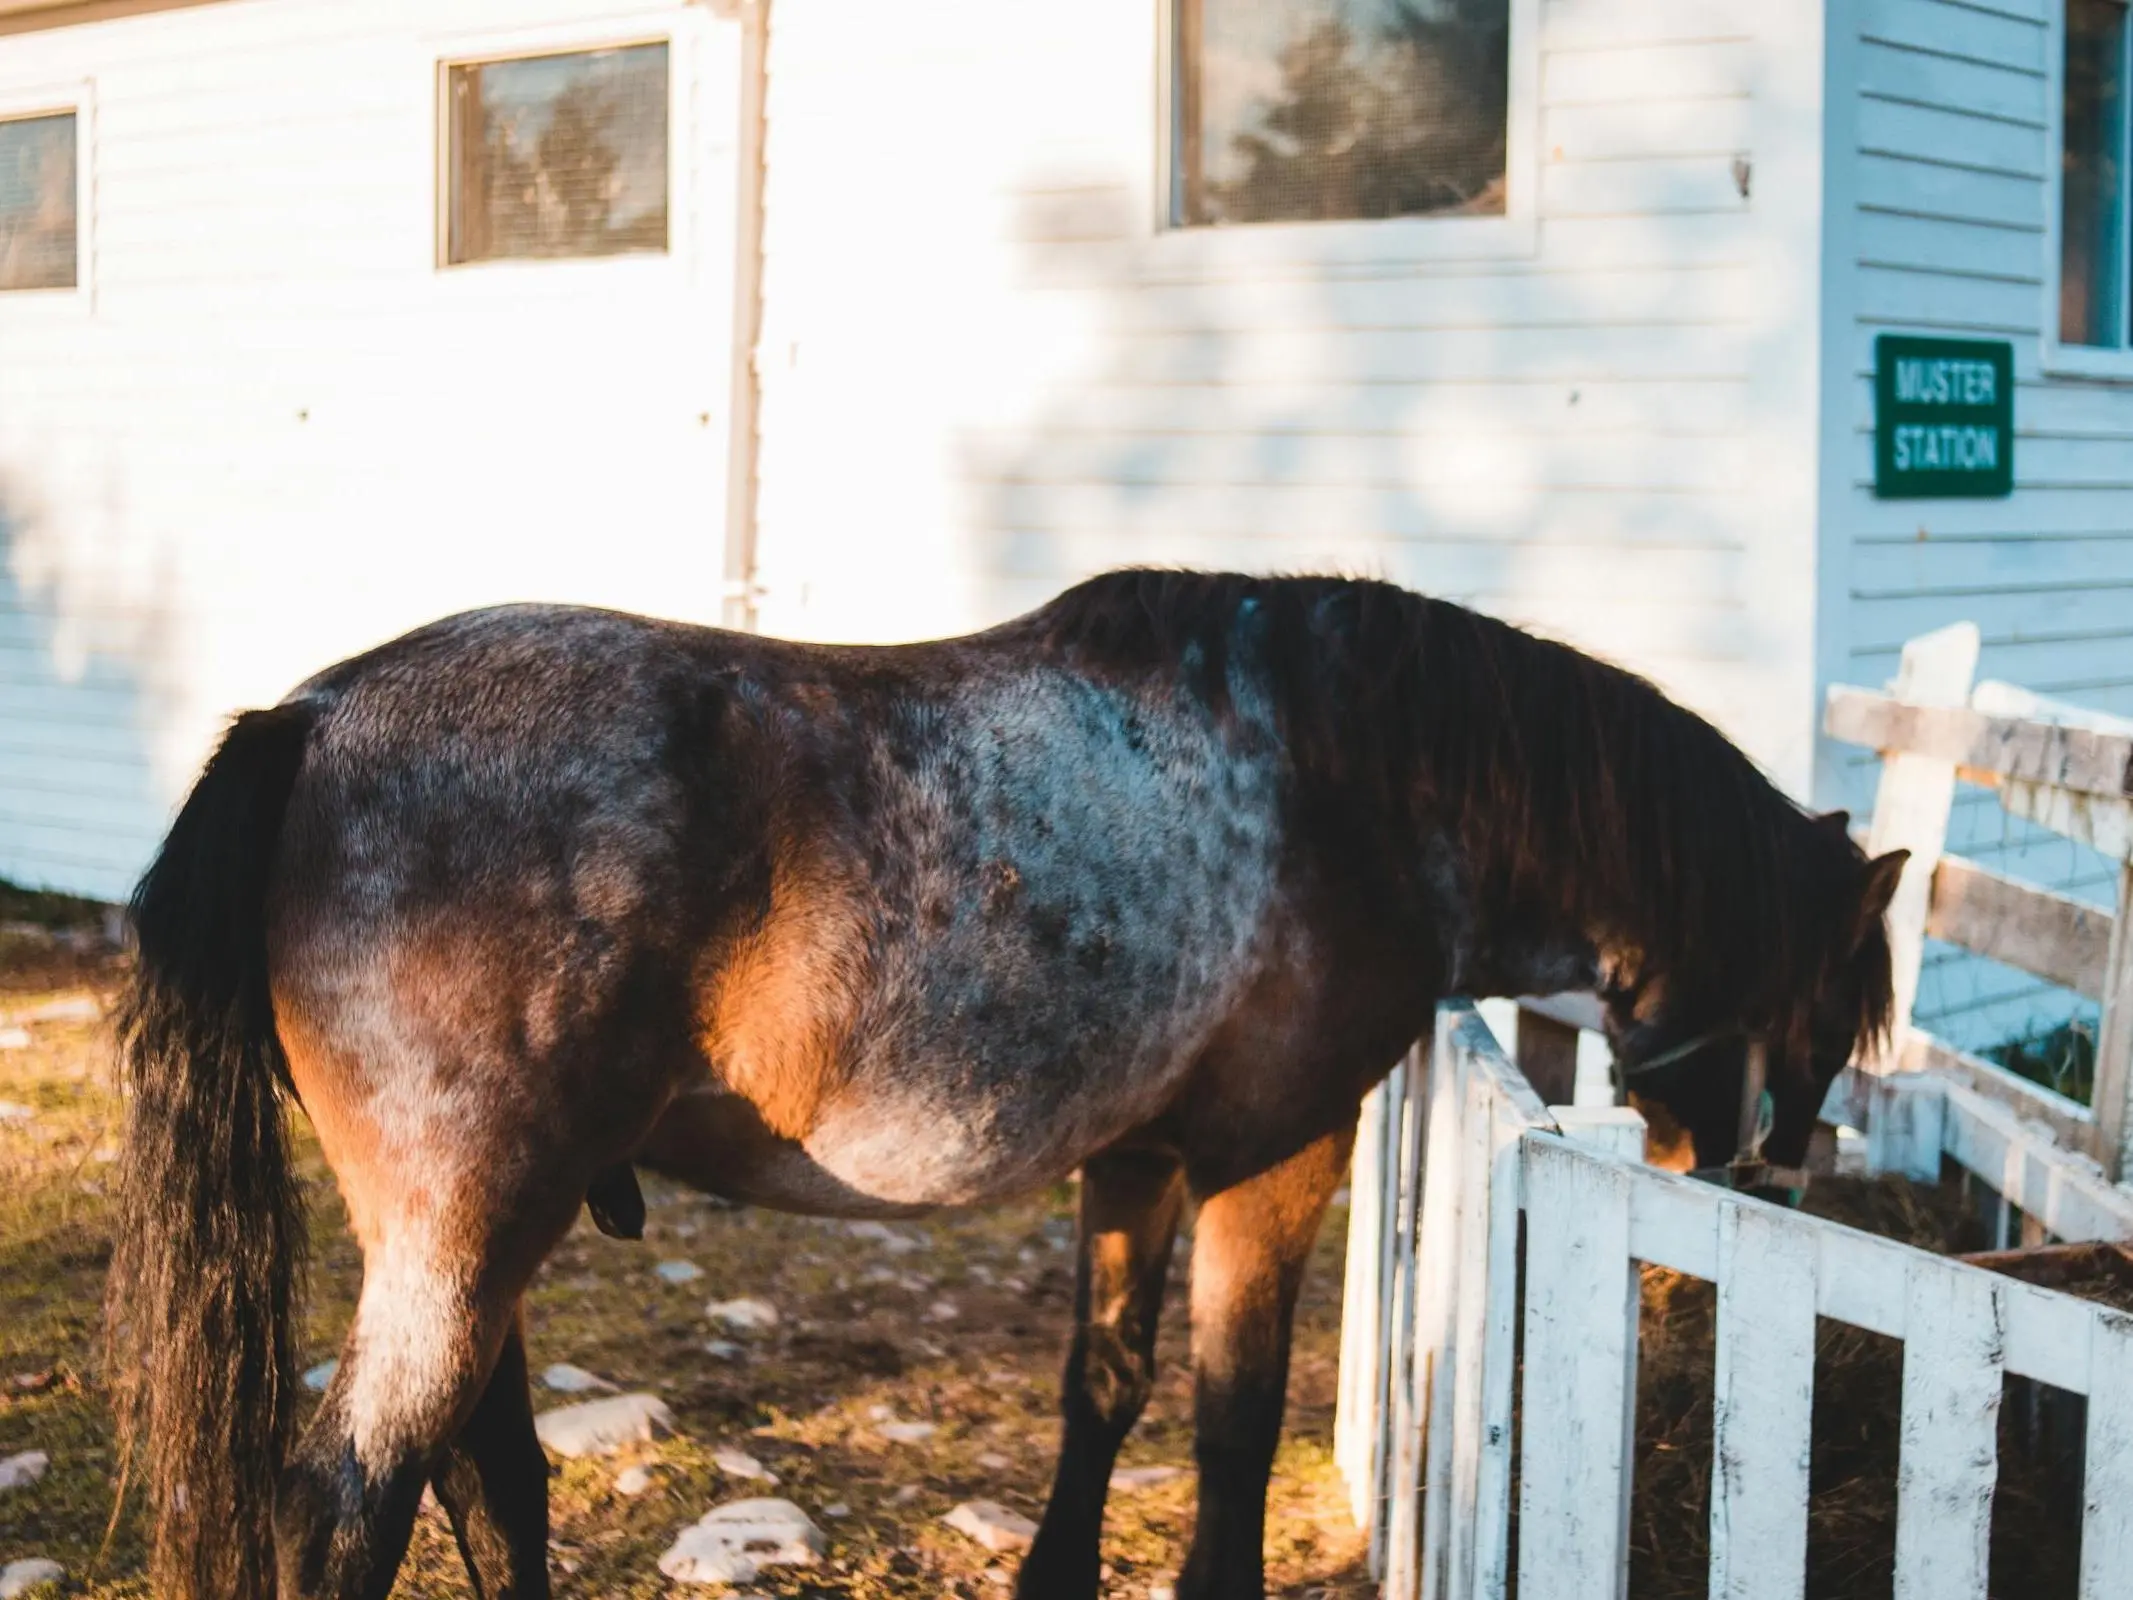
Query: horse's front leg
point(1130, 1201)
point(1250, 1245)
point(493, 1484)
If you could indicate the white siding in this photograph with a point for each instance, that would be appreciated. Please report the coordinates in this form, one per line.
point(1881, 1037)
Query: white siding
point(1947, 139)
point(986, 373)
point(274, 432)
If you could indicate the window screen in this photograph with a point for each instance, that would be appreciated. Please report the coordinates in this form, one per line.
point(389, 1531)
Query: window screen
point(1322, 110)
point(2092, 190)
point(562, 155)
point(38, 199)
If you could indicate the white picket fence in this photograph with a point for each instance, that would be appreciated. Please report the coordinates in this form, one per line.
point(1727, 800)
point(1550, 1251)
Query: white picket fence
point(1456, 1147)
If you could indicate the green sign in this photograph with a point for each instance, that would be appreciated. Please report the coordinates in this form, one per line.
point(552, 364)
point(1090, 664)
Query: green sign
point(1943, 418)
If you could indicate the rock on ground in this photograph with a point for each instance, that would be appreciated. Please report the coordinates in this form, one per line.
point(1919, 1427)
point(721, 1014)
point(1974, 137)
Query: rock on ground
point(632, 1481)
point(740, 1464)
point(906, 1432)
point(882, 1234)
point(745, 1315)
point(320, 1376)
point(22, 1577)
point(992, 1525)
point(601, 1427)
point(735, 1542)
point(679, 1271)
point(20, 1471)
point(564, 1378)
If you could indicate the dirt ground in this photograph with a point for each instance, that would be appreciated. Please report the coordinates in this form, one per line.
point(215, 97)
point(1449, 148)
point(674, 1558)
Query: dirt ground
point(959, 1321)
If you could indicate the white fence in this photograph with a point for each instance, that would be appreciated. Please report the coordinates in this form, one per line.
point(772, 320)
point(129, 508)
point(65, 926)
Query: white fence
point(1455, 1147)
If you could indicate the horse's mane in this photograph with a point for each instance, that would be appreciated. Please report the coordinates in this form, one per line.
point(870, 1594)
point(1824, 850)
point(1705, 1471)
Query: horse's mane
point(1579, 791)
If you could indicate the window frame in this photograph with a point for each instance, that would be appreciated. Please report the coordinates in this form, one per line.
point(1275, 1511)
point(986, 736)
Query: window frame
point(1363, 241)
point(77, 99)
point(2056, 356)
point(679, 31)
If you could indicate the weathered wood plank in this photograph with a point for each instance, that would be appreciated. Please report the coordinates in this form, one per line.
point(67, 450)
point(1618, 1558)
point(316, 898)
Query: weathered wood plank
point(1953, 1368)
point(1358, 1410)
point(1393, 1235)
point(2104, 825)
point(1463, 1030)
point(1477, 1176)
point(2048, 1336)
point(2051, 936)
point(1437, 1353)
point(1492, 1492)
point(1617, 1130)
point(1513, 1111)
point(1407, 1412)
point(1911, 805)
point(1674, 1223)
point(1904, 1130)
point(2063, 1189)
point(2113, 1092)
point(2069, 1120)
point(2077, 759)
point(1762, 1404)
point(1580, 1365)
point(1862, 1280)
point(2107, 1488)
point(1575, 1008)
point(1998, 698)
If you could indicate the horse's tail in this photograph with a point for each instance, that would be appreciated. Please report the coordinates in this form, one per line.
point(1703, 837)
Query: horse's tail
point(201, 1310)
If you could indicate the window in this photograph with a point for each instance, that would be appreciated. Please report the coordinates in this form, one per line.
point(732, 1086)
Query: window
point(2092, 177)
point(1338, 110)
point(40, 194)
point(557, 155)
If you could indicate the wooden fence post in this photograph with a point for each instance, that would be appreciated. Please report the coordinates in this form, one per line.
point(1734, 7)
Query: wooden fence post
point(1911, 811)
point(1762, 1405)
point(1954, 1362)
point(1360, 1386)
point(2111, 1097)
point(1492, 1494)
point(1395, 1236)
point(2107, 1484)
point(1580, 1375)
point(1414, 1281)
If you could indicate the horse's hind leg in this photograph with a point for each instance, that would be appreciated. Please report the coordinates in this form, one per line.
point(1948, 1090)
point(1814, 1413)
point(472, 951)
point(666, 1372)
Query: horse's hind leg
point(1250, 1245)
point(493, 1483)
point(1129, 1216)
point(437, 1318)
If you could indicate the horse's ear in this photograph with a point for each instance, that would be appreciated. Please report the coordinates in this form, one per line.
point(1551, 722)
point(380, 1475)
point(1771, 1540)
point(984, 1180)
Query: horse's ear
point(1837, 822)
point(1883, 873)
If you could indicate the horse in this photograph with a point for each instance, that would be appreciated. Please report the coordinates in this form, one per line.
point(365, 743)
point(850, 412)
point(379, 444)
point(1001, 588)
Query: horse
point(1155, 881)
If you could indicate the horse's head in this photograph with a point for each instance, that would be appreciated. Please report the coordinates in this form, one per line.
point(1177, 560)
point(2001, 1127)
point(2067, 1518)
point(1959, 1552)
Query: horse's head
point(1689, 1050)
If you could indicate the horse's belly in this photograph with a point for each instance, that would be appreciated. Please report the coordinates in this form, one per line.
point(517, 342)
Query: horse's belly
point(914, 1148)
point(891, 1153)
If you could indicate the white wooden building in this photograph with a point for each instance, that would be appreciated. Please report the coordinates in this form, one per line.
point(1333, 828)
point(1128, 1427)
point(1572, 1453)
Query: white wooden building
point(314, 324)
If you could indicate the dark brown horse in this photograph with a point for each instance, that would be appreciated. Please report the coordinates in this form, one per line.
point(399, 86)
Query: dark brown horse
point(1155, 881)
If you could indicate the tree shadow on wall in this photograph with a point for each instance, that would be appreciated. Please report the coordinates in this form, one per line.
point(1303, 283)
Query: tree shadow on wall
point(80, 808)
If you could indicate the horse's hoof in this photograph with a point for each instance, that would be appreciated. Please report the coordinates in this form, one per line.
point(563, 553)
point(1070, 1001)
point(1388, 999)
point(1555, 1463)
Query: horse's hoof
point(616, 1203)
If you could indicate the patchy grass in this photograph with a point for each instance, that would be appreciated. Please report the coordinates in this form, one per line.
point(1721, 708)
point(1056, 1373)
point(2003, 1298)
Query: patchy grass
point(965, 1332)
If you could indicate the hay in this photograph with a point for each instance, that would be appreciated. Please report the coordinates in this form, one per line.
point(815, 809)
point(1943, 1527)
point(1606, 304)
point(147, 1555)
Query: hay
point(1858, 1399)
